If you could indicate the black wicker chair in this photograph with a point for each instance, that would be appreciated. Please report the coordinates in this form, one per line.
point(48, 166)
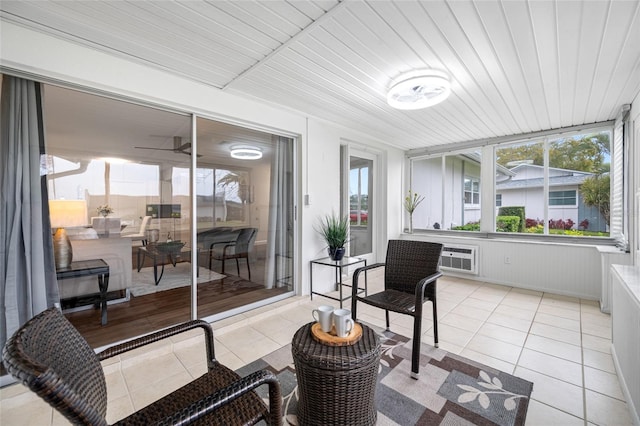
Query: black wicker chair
point(48, 355)
point(411, 271)
point(238, 249)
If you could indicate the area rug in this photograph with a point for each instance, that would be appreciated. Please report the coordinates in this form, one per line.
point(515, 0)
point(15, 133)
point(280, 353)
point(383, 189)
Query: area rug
point(174, 277)
point(452, 390)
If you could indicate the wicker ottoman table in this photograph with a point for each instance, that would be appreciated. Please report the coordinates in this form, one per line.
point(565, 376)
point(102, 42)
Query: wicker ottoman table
point(336, 384)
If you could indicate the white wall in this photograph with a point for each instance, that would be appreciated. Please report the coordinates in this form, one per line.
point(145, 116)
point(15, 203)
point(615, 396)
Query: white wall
point(550, 267)
point(634, 205)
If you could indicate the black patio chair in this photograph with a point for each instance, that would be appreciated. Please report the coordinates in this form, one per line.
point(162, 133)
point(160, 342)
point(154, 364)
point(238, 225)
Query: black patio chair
point(411, 272)
point(48, 355)
point(238, 249)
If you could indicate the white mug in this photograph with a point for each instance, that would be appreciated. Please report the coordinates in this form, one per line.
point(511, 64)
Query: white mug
point(343, 322)
point(324, 317)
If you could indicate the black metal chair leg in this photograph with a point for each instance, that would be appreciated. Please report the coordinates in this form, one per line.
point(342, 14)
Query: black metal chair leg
point(386, 312)
point(249, 269)
point(415, 352)
point(435, 323)
point(238, 266)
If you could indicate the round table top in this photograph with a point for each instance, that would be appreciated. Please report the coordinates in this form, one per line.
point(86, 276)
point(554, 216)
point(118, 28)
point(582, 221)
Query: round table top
point(306, 349)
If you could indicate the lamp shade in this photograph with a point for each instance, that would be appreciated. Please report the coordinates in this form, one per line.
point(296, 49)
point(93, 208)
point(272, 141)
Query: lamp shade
point(65, 213)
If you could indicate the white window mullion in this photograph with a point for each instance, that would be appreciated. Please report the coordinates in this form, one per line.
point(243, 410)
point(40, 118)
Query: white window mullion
point(545, 187)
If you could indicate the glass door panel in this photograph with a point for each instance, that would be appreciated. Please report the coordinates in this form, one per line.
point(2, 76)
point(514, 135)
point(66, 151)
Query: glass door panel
point(244, 217)
point(360, 203)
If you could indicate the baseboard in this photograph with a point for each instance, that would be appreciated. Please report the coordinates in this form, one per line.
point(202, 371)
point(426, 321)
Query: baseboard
point(633, 411)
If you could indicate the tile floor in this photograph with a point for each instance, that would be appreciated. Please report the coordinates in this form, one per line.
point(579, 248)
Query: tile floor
point(561, 344)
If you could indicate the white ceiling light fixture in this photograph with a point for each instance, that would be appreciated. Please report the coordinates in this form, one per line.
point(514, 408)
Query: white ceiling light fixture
point(246, 152)
point(419, 89)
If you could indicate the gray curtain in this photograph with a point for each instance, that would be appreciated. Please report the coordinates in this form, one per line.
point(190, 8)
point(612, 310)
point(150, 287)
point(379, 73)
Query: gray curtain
point(279, 265)
point(27, 270)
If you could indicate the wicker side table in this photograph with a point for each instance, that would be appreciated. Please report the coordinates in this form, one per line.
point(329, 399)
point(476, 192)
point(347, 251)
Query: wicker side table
point(336, 384)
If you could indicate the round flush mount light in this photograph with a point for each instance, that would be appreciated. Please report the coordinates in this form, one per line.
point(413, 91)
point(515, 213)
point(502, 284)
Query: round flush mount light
point(246, 153)
point(419, 89)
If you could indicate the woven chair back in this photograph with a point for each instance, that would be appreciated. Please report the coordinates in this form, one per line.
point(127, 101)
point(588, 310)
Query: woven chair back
point(408, 262)
point(245, 241)
point(48, 355)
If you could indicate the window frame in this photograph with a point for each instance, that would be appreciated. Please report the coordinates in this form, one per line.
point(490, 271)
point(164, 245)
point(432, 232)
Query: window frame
point(473, 180)
point(488, 202)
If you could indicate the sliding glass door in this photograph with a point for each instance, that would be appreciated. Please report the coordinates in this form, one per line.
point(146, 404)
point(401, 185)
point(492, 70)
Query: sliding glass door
point(131, 167)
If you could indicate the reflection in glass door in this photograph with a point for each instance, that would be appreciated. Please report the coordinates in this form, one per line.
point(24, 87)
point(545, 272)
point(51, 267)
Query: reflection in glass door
point(244, 217)
point(360, 201)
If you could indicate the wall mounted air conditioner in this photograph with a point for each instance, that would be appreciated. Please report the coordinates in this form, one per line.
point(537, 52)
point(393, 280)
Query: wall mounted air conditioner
point(460, 258)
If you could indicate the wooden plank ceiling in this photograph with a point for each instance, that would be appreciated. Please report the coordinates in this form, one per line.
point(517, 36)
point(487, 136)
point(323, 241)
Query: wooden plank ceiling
point(516, 66)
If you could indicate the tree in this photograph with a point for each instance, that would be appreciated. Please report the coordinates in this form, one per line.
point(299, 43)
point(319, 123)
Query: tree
point(595, 192)
point(587, 153)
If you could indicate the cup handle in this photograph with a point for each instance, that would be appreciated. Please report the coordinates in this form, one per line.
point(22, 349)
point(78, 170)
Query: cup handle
point(350, 321)
point(313, 314)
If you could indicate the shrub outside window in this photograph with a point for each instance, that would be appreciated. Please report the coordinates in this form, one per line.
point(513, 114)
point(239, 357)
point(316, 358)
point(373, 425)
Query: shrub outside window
point(571, 174)
point(451, 186)
point(551, 185)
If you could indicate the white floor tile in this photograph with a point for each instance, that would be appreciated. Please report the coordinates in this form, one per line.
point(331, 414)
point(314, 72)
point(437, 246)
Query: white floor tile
point(503, 334)
point(556, 333)
point(540, 414)
point(599, 360)
point(555, 348)
point(604, 410)
point(552, 366)
point(540, 337)
point(603, 382)
point(495, 348)
point(556, 321)
point(510, 322)
point(553, 392)
point(596, 343)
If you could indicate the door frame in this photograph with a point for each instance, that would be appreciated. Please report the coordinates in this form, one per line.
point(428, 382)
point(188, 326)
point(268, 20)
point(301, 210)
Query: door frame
point(349, 149)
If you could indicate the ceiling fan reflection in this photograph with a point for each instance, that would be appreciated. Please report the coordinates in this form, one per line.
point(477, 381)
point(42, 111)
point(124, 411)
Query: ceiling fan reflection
point(178, 147)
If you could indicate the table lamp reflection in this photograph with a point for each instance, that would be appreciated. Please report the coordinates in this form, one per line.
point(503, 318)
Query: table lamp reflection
point(65, 213)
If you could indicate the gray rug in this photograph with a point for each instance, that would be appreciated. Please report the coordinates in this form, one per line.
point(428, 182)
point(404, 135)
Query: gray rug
point(452, 390)
point(174, 277)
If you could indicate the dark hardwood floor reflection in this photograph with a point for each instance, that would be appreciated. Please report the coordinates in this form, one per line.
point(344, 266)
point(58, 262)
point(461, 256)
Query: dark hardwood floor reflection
point(144, 314)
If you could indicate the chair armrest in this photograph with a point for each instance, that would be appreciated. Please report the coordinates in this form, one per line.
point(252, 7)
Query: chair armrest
point(356, 276)
point(215, 243)
point(163, 334)
point(210, 403)
point(422, 285)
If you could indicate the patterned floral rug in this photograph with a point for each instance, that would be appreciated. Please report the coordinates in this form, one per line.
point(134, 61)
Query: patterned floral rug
point(451, 390)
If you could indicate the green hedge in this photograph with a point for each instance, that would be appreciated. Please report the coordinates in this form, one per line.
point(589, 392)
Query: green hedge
point(514, 211)
point(507, 223)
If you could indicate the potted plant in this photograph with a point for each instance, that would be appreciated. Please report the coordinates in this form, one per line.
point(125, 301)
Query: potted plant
point(411, 202)
point(335, 231)
point(105, 210)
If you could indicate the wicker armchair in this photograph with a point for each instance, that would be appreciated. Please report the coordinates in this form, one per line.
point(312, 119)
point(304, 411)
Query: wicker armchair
point(411, 271)
point(49, 355)
point(238, 249)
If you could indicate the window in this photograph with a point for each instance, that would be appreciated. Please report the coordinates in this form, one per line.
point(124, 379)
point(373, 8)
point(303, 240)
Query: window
point(472, 191)
point(450, 184)
point(554, 185)
point(560, 184)
point(562, 198)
